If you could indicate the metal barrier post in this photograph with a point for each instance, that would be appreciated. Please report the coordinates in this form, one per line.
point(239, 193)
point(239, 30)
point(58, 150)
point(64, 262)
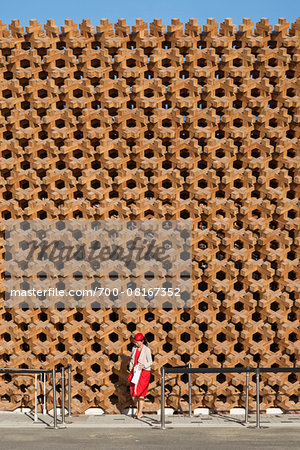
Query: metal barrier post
point(247, 398)
point(257, 400)
point(190, 392)
point(35, 398)
point(162, 406)
point(44, 395)
point(63, 395)
point(69, 389)
point(54, 399)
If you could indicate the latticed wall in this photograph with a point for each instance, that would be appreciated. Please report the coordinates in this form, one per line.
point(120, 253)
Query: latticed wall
point(177, 123)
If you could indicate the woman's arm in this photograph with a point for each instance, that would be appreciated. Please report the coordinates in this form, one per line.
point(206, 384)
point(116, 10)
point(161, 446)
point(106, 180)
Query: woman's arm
point(149, 362)
point(131, 363)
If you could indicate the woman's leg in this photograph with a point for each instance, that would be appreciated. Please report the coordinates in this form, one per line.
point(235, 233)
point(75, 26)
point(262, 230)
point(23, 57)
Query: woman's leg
point(134, 405)
point(140, 406)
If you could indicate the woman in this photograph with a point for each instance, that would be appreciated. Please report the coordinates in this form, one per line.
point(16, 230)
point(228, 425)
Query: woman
point(141, 360)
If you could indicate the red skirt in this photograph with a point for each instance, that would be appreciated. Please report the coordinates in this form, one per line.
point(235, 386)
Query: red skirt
point(142, 386)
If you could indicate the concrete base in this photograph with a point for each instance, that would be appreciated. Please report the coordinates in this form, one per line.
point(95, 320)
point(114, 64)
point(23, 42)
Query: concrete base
point(274, 411)
point(21, 410)
point(94, 412)
point(129, 411)
point(168, 412)
point(237, 411)
point(59, 411)
point(201, 411)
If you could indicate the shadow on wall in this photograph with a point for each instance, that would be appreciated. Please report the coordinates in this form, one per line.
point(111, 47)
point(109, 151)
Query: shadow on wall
point(121, 398)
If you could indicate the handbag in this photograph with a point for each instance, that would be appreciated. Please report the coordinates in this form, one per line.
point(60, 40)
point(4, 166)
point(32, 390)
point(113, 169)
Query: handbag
point(136, 375)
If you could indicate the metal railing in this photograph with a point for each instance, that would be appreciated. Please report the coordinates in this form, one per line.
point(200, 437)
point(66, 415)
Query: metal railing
point(36, 372)
point(43, 373)
point(189, 370)
point(63, 378)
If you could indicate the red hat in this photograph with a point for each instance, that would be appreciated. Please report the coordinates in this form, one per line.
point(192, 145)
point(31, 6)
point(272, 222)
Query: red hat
point(139, 337)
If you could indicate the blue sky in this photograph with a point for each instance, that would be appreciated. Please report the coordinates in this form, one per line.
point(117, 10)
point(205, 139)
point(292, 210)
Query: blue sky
point(132, 9)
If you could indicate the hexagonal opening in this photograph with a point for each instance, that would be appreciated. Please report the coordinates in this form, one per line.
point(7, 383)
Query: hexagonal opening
point(148, 93)
point(167, 327)
point(95, 368)
point(131, 184)
point(95, 62)
point(220, 92)
point(185, 337)
point(257, 337)
point(220, 317)
point(239, 306)
point(59, 184)
point(221, 337)
point(60, 347)
point(77, 93)
point(77, 337)
point(167, 347)
point(238, 245)
point(238, 286)
point(221, 275)
point(203, 306)
point(292, 214)
point(95, 184)
point(96, 347)
point(238, 184)
point(113, 337)
point(221, 378)
point(24, 184)
point(78, 316)
point(238, 347)
point(42, 93)
point(203, 347)
point(78, 377)
point(149, 316)
point(185, 358)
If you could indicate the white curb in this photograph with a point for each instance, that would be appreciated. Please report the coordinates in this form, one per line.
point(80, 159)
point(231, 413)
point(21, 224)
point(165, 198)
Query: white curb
point(168, 412)
point(201, 411)
point(239, 411)
point(274, 411)
point(94, 412)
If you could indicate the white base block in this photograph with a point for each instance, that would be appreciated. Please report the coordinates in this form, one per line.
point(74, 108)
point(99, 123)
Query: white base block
point(58, 411)
point(21, 410)
point(129, 411)
point(201, 411)
point(168, 412)
point(274, 411)
point(94, 412)
point(234, 411)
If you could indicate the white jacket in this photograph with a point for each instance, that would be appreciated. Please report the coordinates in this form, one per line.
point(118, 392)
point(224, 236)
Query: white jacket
point(145, 357)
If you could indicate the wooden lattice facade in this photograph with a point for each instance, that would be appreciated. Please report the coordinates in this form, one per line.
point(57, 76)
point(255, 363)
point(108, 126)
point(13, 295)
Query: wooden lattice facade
point(177, 122)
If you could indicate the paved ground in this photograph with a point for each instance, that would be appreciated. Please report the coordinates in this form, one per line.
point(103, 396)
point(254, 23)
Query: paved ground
point(149, 421)
point(105, 432)
point(149, 439)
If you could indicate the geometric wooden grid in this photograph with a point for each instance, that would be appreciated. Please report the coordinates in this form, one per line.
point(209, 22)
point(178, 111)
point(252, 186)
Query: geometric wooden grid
point(183, 122)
